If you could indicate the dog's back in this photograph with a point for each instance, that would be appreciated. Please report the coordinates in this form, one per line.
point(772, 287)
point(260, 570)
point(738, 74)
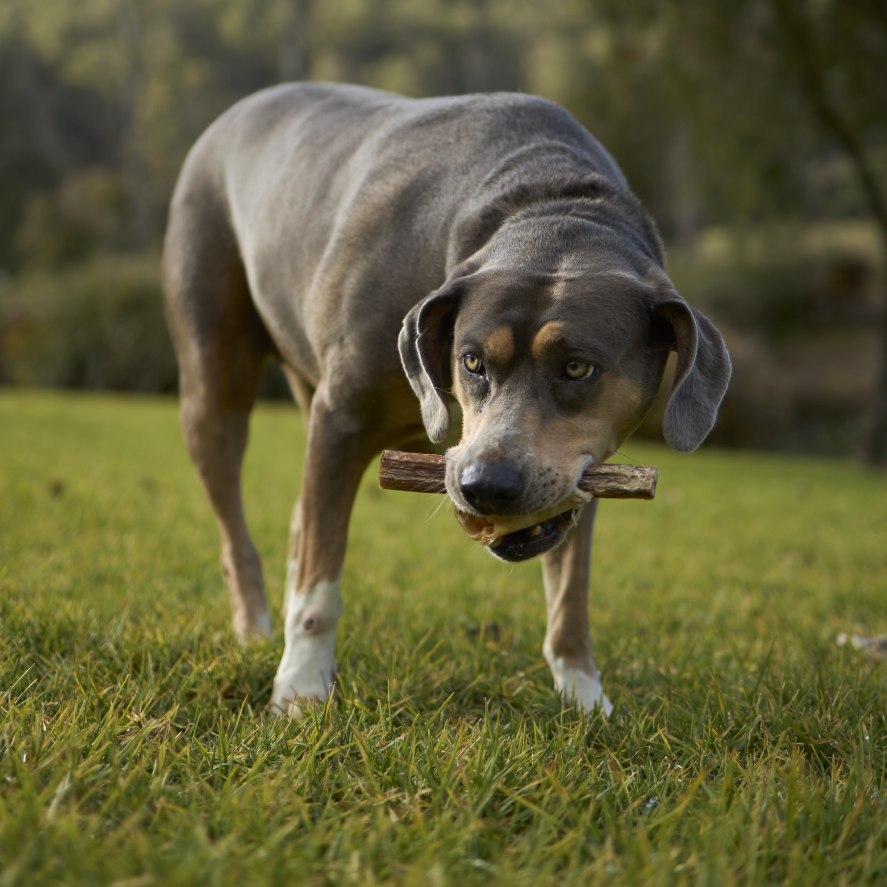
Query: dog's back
point(326, 189)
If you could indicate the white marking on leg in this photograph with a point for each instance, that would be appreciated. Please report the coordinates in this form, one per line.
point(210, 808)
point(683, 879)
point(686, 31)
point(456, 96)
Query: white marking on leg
point(289, 587)
point(578, 686)
point(307, 670)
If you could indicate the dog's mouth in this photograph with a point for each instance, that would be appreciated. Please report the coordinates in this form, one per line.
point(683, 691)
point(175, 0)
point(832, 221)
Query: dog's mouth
point(520, 537)
point(533, 541)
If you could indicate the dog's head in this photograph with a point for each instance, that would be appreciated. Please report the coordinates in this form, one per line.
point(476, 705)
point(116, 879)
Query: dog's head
point(555, 355)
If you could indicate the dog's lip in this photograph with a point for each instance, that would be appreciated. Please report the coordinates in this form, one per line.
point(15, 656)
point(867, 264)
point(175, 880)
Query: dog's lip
point(462, 505)
point(533, 541)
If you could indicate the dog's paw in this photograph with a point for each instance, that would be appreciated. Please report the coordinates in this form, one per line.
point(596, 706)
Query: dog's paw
point(580, 688)
point(293, 699)
point(586, 692)
point(306, 678)
point(307, 673)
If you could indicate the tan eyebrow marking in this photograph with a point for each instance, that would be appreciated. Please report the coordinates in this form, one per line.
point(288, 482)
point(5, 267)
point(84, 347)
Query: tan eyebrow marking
point(547, 335)
point(499, 345)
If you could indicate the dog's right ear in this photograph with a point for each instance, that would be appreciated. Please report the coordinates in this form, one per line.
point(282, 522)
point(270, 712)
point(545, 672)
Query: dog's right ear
point(701, 377)
point(426, 343)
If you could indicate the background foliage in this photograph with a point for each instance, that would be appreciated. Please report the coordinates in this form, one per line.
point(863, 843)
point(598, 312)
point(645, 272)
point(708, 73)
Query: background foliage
point(755, 131)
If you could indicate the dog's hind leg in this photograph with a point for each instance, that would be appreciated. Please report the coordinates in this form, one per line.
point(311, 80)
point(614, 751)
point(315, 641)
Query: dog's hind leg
point(568, 647)
point(340, 446)
point(221, 345)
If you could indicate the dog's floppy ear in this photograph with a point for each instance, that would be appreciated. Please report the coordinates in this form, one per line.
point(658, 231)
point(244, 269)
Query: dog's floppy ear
point(701, 377)
point(425, 343)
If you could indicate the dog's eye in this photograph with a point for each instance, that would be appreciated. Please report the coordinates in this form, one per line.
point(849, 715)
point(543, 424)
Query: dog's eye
point(577, 370)
point(473, 363)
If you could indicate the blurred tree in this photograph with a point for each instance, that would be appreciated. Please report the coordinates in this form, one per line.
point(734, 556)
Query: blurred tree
point(84, 215)
point(293, 61)
point(717, 110)
point(608, 65)
point(838, 51)
point(812, 74)
point(164, 69)
point(160, 70)
point(130, 85)
point(730, 101)
point(47, 130)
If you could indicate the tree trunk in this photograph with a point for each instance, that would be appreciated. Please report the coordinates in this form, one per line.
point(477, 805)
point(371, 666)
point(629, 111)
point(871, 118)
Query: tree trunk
point(685, 202)
point(43, 127)
point(801, 44)
point(875, 447)
point(477, 51)
point(135, 171)
point(292, 57)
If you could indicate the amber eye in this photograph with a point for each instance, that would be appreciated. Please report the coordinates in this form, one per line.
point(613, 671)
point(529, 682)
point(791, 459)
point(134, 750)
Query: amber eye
point(473, 363)
point(577, 369)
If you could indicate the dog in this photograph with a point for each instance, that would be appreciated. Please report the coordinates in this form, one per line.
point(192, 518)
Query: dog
point(396, 255)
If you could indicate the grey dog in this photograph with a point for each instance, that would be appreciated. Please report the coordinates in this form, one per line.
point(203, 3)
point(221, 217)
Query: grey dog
point(394, 254)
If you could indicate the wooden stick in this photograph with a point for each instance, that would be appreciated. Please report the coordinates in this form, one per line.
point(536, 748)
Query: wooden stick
point(424, 473)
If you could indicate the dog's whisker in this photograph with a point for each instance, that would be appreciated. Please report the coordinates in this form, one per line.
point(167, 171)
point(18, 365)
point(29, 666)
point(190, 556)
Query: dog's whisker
point(440, 505)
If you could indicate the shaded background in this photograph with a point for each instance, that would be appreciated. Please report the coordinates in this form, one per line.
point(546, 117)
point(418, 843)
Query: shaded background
point(755, 132)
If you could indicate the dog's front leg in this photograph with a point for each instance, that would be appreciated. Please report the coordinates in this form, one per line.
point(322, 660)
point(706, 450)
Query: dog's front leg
point(336, 457)
point(568, 647)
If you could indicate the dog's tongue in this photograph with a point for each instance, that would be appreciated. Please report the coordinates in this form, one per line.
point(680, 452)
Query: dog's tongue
point(489, 528)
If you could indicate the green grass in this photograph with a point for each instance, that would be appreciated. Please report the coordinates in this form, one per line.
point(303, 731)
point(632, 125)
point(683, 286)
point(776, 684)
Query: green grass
point(746, 746)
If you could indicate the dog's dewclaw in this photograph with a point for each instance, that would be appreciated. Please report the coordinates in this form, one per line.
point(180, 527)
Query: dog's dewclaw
point(423, 473)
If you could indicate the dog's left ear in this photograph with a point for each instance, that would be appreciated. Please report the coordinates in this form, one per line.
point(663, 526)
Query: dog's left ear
point(425, 343)
point(701, 377)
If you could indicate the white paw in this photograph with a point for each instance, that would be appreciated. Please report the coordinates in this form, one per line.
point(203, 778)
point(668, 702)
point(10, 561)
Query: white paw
point(578, 686)
point(307, 671)
point(297, 693)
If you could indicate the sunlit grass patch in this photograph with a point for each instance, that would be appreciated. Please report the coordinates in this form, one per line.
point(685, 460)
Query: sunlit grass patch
point(746, 747)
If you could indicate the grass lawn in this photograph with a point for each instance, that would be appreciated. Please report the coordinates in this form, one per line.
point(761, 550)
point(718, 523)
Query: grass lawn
point(746, 747)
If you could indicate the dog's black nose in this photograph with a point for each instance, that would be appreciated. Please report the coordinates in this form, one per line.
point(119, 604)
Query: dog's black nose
point(490, 487)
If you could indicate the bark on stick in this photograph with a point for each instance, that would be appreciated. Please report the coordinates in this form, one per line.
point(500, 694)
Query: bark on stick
point(423, 473)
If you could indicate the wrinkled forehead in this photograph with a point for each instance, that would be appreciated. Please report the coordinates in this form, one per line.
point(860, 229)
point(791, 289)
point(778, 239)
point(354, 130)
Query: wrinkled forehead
point(607, 313)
